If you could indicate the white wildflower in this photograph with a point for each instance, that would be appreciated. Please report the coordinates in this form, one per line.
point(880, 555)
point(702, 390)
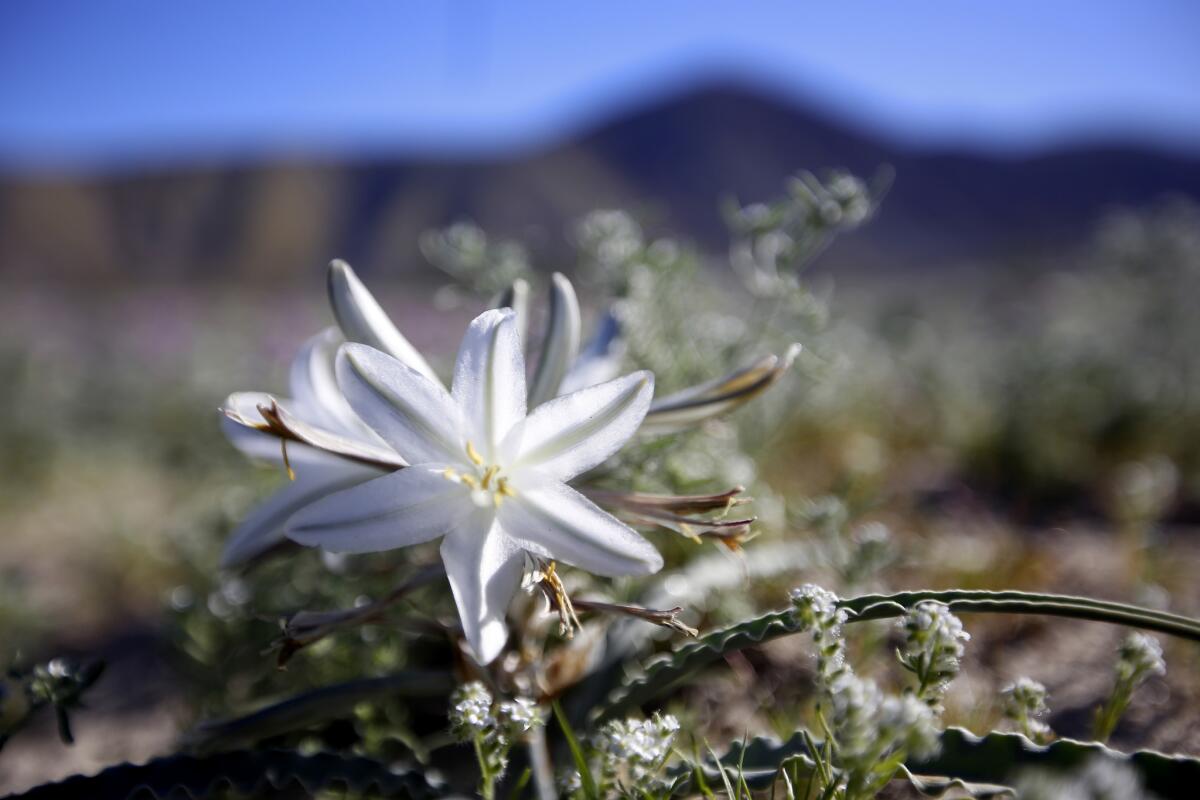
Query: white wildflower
point(1140, 656)
point(817, 611)
point(637, 748)
point(1024, 704)
point(519, 716)
point(933, 648)
point(485, 476)
point(471, 710)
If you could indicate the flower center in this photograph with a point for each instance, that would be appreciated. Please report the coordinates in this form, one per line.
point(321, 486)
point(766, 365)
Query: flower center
point(488, 486)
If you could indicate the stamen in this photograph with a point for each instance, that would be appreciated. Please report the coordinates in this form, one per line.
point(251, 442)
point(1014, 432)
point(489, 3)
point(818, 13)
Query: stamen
point(473, 454)
point(556, 593)
point(488, 474)
point(291, 473)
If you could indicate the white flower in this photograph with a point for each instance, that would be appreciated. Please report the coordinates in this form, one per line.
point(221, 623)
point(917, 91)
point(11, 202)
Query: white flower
point(1140, 657)
point(486, 477)
point(520, 715)
point(637, 746)
point(471, 710)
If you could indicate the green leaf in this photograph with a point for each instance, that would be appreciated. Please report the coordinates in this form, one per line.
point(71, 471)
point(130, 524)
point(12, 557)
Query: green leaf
point(314, 708)
point(585, 773)
point(664, 673)
point(982, 766)
point(245, 773)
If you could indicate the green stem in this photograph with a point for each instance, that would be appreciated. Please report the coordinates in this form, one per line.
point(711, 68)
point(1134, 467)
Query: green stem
point(487, 781)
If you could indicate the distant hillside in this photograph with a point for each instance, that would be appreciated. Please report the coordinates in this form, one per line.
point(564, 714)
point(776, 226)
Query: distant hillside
point(671, 161)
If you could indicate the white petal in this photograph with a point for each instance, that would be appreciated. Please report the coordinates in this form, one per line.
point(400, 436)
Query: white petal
point(263, 528)
point(516, 297)
point(600, 360)
point(313, 382)
point(363, 320)
point(413, 505)
point(557, 522)
point(571, 434)
point(691, 406)
point(241, 421)
point(560, 344)
point(489, 379)
point(414, 415)
point(484, 567)
point(243, 424)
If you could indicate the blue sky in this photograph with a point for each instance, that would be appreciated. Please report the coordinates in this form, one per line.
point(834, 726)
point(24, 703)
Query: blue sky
point(96, 82)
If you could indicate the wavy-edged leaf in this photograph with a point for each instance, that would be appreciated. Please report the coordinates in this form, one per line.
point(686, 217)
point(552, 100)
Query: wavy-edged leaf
point(693, 405)
point(981, 766)
point(998, 757)
point(665, 672)
point(668, 671)
point(245, 773)
point(314, 708)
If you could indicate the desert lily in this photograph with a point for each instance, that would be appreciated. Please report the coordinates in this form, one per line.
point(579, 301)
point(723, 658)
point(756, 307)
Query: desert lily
point(331, 449)
point(486, 476)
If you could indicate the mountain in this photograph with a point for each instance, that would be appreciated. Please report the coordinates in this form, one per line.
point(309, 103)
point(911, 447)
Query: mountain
point(671, 161)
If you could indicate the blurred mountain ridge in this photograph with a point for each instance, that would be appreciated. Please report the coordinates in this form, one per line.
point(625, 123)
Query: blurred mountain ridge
point(671, 161)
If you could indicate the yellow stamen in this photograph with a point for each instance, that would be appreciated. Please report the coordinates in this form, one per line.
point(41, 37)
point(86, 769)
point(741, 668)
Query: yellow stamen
point(291, 473)
point(503, 489)
point(470, 480)
point(473, 454)
point(488, 474)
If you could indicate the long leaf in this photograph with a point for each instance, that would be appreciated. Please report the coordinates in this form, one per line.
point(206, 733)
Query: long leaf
point(246, 773)
point(982, 766)
point(316, 707)
point(664, 673)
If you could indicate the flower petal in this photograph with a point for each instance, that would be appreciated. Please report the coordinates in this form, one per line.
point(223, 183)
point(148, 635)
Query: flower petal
point(316, 398)
point(489, 379)
point(414, 415)
point(363, 320)
point(408, 507)
point(516, 297)
point(245, 428)
point(263, 528)
point(571, 434)
point(696, 404)
point(600, 360)
point(555, 521)
point(484, 567)
point(560, 343)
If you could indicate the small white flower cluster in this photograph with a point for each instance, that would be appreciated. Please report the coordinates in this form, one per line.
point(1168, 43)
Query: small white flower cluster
point(520, 715)
point(933, 647)
point(817, 611)
point(471, 710)
point(870, 725)
point(1140, 656)
point(637, 748)
point(1024, 703)
point(474, 712)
